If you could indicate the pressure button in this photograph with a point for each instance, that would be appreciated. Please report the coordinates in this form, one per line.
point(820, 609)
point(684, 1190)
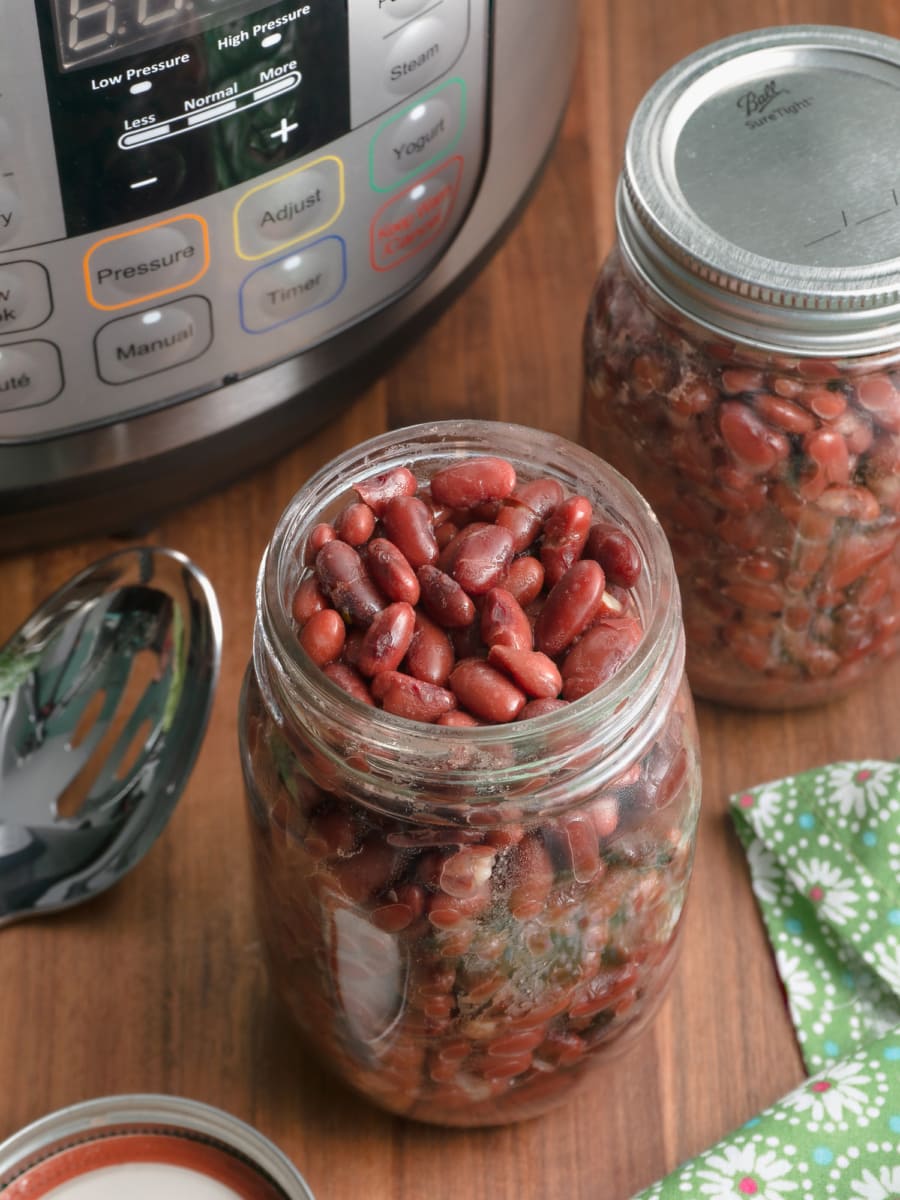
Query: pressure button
point(144, 264)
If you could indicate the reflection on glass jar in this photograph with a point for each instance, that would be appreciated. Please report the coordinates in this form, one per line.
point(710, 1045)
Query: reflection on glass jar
point(742, 355)
point(462, 918)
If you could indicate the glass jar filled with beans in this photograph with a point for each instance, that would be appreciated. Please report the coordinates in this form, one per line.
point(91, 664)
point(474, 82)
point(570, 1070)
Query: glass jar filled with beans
point(742, 355)
point(471, 764)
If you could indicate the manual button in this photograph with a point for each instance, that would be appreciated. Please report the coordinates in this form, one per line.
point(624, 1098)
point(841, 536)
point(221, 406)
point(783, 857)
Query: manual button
point(143, 264)
point(147, 342)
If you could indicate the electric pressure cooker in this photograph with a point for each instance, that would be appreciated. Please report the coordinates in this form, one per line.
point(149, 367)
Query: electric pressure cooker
point(218, 218)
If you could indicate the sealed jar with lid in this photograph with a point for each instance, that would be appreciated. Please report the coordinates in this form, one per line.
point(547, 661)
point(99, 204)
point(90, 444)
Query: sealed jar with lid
point(742, 354)
point(471, 855)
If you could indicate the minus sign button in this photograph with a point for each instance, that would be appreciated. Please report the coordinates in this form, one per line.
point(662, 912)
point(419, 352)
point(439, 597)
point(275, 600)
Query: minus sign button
point(145, 182)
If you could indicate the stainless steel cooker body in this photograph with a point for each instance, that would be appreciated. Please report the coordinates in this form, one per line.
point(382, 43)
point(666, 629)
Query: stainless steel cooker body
point(220, 218)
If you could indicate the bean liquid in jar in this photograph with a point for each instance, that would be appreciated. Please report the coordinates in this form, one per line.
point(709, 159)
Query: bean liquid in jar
point(742, 355)
point(471, 766)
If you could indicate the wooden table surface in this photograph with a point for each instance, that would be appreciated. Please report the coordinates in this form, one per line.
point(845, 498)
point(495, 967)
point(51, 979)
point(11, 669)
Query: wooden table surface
point(159, 985)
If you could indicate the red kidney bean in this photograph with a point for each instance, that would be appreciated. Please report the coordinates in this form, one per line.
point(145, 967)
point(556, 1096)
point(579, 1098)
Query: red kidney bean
point(504, 622)
point(322, 637)
point(407, 523)
point(616, 553)
point(598, 655)
point(449, 551)
point(565, 533)
point(444, 600)
point(331, 833)
point(308, 599)
point(539, 708)
point(465, 873)
point(368, 872)
point(387, 639)
point(486, 692)
point(412, 698)
point(533, 672)
point(532, 875)
point(573, 603)
point(457, 719)
point(343, 578)
point(473, 481)
point(391, 572)
point(751, 441)
point(521, 522)
point(430, 655)
point(582, 845)
point(318, 536)
point(349, 681)
point(355, 523)
point(482, 559)
point(525, 579)
point(379, 490)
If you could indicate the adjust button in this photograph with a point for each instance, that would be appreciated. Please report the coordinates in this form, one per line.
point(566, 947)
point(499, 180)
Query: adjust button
point(427, 130)
point(420, 54)
point(24, 296)
point(141, 265)
point(293, 286)
point(30, 374)
point(10, 213)
point(147, 342)
point(297, 205)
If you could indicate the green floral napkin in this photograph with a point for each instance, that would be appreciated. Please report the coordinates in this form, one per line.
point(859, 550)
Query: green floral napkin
point(824, 855)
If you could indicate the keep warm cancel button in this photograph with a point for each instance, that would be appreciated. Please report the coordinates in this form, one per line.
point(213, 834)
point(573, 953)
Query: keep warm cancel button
point(413, 219)
point(143, 264)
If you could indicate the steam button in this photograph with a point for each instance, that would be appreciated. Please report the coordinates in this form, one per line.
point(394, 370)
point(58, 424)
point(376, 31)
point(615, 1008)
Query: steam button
point(30, 374)
point(421, 53)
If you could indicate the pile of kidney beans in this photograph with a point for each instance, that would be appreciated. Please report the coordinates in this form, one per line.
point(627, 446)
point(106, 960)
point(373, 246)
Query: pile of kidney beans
point(462, 964)
point(777, 481)
point(474, 600)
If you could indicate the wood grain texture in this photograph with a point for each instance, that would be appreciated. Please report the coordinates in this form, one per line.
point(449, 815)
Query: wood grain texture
point(159, 985)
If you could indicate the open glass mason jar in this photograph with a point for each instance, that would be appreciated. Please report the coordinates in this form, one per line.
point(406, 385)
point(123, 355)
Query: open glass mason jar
point(462, 917)
point(742, 354)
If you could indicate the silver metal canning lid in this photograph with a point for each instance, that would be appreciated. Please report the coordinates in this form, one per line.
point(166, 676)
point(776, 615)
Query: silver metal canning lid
point(115, 1116)
point(761, 189)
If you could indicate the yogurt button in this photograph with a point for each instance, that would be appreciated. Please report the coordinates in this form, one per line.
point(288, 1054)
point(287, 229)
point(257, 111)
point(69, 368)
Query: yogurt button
point(426, 131)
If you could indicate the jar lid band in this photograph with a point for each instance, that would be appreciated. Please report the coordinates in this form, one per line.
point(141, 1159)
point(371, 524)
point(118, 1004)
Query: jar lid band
point(760, 192)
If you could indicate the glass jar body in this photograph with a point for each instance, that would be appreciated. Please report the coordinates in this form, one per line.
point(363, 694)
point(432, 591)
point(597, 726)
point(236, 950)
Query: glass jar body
point(462, 920)
point(777, 480)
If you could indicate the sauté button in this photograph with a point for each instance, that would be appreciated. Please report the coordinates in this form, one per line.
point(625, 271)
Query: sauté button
point(30, 374)
point(128, 268)
point(147, 342)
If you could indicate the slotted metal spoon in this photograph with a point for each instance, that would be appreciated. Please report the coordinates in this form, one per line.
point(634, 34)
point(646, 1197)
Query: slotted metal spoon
point(105, 693)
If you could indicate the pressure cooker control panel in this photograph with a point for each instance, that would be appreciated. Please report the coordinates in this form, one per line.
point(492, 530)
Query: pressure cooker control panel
point(193, 190)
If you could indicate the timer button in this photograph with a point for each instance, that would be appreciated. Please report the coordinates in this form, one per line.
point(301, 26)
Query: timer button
point(24, 296)
point(148, 342)
point(297, 205)
point(418, 56)
point(293, 286)
point(141, 265)
point(30, 374)
point(10, 213)
point(426, 131)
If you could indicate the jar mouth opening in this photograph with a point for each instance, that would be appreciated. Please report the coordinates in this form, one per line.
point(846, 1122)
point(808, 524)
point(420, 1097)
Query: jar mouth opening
point(605, 716)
